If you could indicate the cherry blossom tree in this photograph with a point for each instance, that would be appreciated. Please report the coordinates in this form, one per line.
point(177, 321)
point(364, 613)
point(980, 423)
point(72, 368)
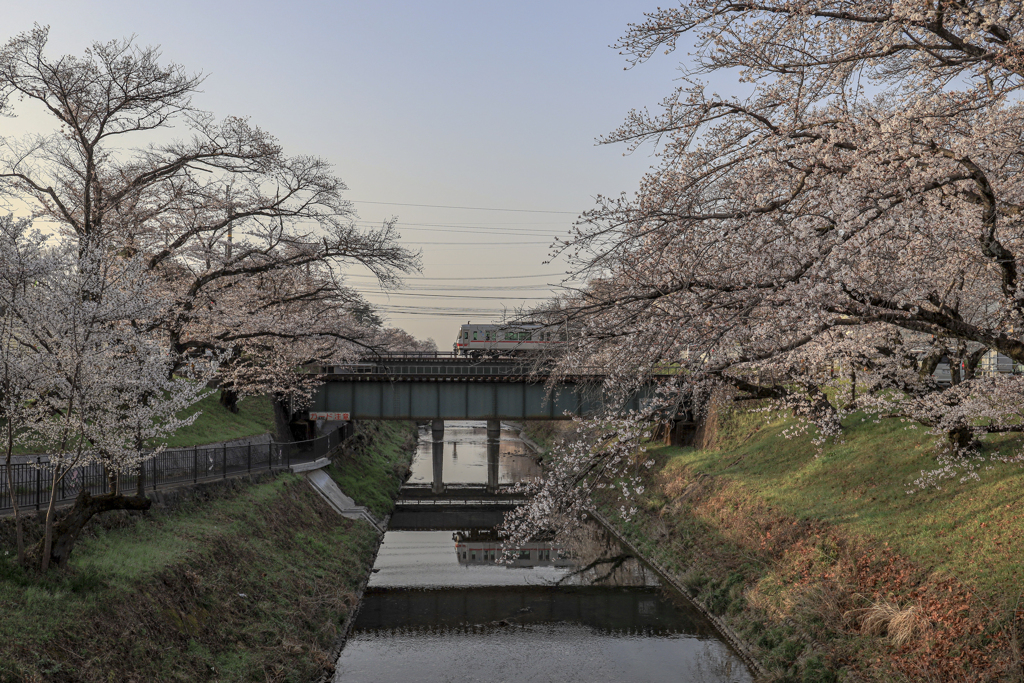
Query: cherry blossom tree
point(249, 243)
point(822, 242)
point(20, 374)
point(92, 385)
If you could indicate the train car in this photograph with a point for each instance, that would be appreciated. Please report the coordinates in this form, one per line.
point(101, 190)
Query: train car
point(477, 339)
point(992, 363)
point(482, 547)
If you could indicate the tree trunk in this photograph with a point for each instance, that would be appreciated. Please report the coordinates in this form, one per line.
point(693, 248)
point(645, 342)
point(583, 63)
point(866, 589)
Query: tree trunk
point(229, 399)
point(282, 421)
point(852, 404)
point(65, 532)
point(18, 532)
point(972, 361)
point(48, 533)
point(930, 362)
point(961, 437)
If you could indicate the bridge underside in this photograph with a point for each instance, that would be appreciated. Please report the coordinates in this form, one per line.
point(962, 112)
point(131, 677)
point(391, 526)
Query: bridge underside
point(448, 399)
point(624, 610)
point(447, 517)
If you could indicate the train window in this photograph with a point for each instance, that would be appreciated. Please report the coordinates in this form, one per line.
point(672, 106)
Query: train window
point(463, 554)
point(474, 335)
point(524, 554)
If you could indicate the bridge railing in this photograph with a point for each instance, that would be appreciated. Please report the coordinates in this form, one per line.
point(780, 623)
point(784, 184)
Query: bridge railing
point(32, 481)
point(481, 368)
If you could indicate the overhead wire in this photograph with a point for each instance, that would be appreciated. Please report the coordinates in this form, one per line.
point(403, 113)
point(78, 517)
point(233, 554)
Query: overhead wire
point(404, 229)
point(468, 208)
point(477, 244)
point(497, 277)
point(466, 296)
point(460, 289)
point(435, 287)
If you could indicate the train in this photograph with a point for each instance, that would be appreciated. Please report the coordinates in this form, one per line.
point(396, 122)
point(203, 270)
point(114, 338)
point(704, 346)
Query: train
point(482, 547)
point(509, 339)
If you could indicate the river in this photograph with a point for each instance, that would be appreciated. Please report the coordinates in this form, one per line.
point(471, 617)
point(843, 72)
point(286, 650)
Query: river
point(440, 607)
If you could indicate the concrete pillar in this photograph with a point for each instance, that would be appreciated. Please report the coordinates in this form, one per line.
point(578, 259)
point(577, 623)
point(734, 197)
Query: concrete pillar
point(437, 453)
point(494, 430)
point(493, 453)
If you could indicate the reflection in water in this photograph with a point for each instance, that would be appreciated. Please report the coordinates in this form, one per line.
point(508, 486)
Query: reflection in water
point(424, 559)
point(465, 456)
point(623, 611)
point(600, 560)
point(563, 653)
point(570, 609)
point(483, 546)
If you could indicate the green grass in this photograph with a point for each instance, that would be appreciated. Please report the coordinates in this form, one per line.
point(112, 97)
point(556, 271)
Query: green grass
point(240, 588)
point(374, 476)
point(973, 530)
point(216, 423)
point(249, 587)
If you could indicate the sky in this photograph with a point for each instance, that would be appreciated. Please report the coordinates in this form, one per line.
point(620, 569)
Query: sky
point(421, 107)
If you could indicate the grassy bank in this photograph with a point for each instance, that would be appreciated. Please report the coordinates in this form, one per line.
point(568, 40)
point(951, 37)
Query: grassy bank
point(375, 481)
point(827, 566)
point(215, 423)
point(251, 585)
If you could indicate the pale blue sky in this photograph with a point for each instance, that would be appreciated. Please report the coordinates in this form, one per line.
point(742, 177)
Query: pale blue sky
point(477, 104)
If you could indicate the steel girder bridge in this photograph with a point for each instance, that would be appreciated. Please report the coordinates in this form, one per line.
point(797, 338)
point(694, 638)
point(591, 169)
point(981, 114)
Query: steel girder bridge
point(441, 387)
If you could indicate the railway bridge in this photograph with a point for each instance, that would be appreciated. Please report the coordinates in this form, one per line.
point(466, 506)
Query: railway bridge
point(436, 387)
point(446, 387)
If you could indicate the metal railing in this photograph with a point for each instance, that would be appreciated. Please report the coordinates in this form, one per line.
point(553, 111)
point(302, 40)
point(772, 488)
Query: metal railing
point(33, 481)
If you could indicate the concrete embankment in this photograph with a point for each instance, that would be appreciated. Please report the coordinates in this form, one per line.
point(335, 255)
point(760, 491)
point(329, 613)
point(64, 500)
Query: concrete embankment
point(244, 579)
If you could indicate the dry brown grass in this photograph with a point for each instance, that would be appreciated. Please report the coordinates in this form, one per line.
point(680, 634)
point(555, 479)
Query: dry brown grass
point(882, 617)
point(1017, 637)
point(706, 434)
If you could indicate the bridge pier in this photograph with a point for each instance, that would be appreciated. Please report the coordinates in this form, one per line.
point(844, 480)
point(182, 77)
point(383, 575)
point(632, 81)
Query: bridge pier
point(437, 454)
point(493, 454)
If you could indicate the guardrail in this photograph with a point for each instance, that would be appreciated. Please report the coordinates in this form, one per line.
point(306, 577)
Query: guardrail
point(33, 481)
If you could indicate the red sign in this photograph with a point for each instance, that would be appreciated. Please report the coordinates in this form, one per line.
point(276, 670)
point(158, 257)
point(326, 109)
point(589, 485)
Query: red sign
point(330, 417)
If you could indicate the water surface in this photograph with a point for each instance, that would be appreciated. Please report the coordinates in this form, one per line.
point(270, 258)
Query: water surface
point(443, 606)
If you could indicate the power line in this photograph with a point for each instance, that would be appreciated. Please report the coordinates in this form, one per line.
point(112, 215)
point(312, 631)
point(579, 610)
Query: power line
point(503, 277)
point(459, 288)
point(403, 227)
point(465, 296)
point(475, 244)
point(476, 225)
point(468, 208)
point(459, 313)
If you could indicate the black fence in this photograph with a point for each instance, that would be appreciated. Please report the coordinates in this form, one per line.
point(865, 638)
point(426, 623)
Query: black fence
point(32, 481)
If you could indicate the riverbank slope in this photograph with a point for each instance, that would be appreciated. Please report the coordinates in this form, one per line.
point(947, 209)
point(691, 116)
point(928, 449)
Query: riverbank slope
point(242, 580)
point(826, 565)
